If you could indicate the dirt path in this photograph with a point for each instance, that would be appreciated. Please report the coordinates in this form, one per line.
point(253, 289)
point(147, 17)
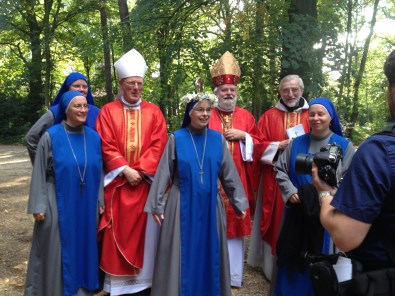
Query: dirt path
point(16, 227)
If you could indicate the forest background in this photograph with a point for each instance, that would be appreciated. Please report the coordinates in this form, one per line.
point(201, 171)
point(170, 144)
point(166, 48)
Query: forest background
point(338, 47)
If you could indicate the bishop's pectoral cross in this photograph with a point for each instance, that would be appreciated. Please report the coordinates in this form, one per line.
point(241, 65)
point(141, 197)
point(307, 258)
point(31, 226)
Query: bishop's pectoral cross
point(201, 176)
point(82, 184)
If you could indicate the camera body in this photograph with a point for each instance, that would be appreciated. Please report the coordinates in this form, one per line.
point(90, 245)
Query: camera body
point(327, 161)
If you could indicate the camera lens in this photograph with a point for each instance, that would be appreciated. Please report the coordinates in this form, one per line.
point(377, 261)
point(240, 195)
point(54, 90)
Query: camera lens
point(303, 163)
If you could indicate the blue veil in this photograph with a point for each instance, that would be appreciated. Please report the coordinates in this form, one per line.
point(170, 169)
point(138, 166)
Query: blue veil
point(335, 123)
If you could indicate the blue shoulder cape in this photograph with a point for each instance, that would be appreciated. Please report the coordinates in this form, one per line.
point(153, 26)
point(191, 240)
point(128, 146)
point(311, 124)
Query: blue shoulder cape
point(200, 253)
point(77, 206)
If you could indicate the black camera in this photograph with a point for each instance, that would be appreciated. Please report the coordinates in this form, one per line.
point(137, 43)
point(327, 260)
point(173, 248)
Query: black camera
point(327, 161)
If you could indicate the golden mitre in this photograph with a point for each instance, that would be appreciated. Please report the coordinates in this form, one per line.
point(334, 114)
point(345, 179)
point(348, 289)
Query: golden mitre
point(226, 70)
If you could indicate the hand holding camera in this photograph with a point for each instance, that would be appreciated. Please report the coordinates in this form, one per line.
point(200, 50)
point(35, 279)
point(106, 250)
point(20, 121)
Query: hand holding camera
point(323, 188)
point(328, 162)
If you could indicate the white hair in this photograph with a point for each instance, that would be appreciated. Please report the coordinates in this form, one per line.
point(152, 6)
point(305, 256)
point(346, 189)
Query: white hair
point(290, 78)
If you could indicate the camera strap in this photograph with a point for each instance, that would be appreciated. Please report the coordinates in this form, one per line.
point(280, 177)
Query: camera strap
point(385, 238)
point(387, 242)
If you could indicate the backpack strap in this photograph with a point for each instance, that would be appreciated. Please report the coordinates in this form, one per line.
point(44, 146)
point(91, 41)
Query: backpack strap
point(386, 240)
point(381, 229)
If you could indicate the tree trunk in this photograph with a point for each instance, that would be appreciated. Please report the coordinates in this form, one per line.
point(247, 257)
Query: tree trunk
point(345, 77)
point(358, 79)
point(304, 7)
point(125, 25)
point(47, 51)
point(301, 37)
point(106, 51)
point(36, 96)
point(164, 58)
point(257, 78)
point(228, 25)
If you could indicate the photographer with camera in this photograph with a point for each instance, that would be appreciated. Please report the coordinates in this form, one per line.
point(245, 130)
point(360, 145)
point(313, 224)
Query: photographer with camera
point(293, 276)
point(360, 215)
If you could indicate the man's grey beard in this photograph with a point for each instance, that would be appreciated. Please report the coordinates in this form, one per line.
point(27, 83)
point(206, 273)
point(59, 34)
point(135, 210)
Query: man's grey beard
point(227, 105)
point(293, 103)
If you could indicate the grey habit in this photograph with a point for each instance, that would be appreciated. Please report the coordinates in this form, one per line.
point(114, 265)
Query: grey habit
point(44, 273)
point(36, 131)
point(167, 273)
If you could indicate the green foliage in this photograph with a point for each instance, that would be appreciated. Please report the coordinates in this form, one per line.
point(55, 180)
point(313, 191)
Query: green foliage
point(181, 40)
point(362, 132)
point(12, 119)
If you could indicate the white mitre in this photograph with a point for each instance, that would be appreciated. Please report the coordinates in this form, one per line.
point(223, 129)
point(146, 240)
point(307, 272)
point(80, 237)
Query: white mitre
point(130, 64)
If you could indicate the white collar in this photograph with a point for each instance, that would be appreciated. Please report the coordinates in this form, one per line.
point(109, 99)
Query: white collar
point(129, 105)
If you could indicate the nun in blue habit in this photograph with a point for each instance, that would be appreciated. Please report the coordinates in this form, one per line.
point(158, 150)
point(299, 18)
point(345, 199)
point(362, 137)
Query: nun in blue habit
point(192, 255)
point(74, 81)
point(325, 129)
point(66, 196)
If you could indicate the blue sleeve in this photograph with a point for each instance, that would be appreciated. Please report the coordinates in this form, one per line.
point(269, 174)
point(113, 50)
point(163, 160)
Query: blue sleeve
point(367, 182)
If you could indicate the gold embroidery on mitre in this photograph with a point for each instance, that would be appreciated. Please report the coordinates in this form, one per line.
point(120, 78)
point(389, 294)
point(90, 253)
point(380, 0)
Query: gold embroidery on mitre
point(226, 70)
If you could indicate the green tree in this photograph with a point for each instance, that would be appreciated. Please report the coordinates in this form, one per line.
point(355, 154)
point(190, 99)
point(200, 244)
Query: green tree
point(165, 25)
point(127, 36)
point(361, 71)
point(42, 41)
point(34, 23)
point(106, 50)
point(299, 37)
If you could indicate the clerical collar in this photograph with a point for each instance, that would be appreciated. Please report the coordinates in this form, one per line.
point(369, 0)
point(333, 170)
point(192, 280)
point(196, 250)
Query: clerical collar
point(129, 105)
point(297, 106)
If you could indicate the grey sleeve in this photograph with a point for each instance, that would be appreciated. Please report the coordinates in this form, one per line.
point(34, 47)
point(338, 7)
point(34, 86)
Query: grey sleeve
point(163, 177)
point(281, 169)
point(347, 158)
point(231, 182)
point(38, 196)
point(101, 189)
point(36, 131)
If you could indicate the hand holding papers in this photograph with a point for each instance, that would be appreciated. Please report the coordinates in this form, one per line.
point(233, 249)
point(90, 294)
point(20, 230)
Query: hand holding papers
point(295, 131)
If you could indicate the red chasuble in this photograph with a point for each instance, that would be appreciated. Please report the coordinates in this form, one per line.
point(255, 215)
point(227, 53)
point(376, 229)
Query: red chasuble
point(243, 120)
point(273, 125)
point(135, 138)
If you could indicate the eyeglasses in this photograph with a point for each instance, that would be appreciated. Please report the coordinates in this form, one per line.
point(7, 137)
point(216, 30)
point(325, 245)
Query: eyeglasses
point(79, 107)
point(290, 90)
point(79, 86)
point(134, 84)
point(202, 110)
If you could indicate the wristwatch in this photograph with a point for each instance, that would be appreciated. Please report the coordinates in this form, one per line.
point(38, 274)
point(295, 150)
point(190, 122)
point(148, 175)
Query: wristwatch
point(324, 194)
